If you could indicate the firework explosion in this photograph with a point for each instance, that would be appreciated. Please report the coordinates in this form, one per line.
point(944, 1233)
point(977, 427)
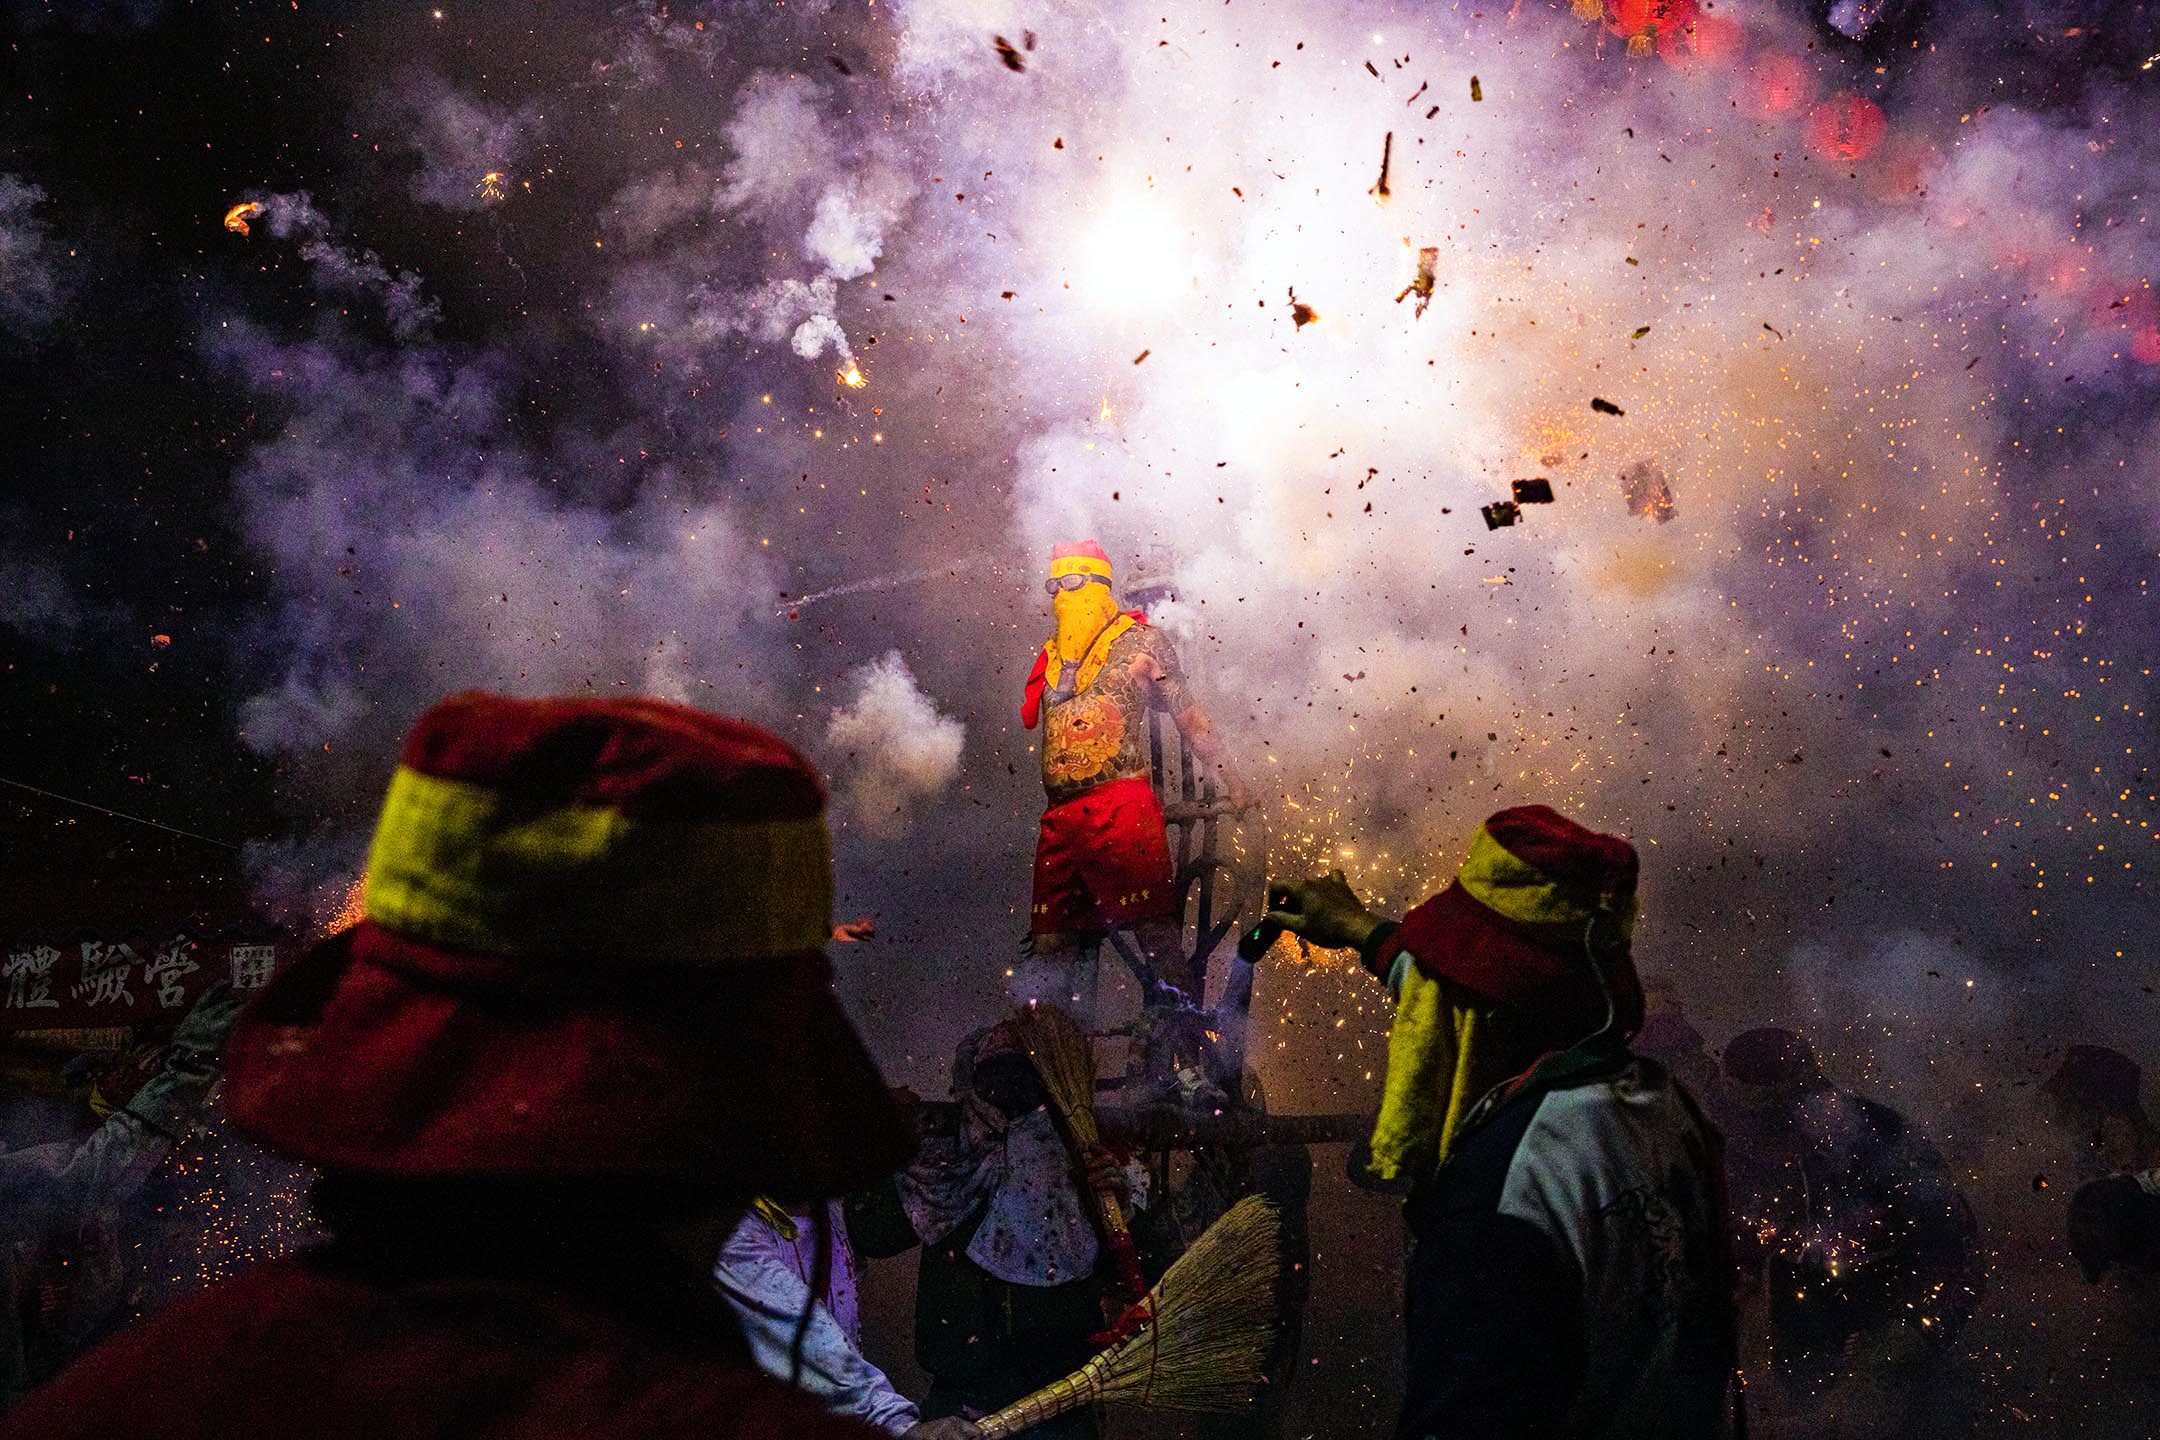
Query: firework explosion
point(1831, 328)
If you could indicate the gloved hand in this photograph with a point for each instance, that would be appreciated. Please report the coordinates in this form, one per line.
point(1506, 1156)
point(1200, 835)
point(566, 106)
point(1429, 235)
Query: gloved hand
point(1325, 911)
point(200, 1041)
point(1106, 1172)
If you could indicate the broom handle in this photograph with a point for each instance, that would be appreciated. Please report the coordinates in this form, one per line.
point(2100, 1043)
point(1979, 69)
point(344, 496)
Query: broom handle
point(1122, 1253)
point(1053, 1400)
point(1080, 1121)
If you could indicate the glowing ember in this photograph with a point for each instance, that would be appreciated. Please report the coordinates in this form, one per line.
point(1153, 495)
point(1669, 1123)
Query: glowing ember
point(489, 187)
point(351, 910)
point(236, 219)
point(852, 377)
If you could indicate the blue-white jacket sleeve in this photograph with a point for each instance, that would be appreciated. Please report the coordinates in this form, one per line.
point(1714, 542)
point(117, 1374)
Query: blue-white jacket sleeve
point(768, 1298)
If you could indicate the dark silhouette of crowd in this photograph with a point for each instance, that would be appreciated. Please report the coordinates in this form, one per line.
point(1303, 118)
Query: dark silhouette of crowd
point(597, 1152)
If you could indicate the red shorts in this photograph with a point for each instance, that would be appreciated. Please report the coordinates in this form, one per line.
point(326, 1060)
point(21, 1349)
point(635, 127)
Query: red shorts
point(1103, 859)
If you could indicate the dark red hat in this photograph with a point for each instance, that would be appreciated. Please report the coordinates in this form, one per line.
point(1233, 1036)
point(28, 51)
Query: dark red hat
point(593, 947)
point(1538, 902)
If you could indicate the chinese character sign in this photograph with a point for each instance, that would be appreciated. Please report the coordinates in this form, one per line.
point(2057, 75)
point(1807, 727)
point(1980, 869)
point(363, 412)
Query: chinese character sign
point(29, 974)
point(168, 970)
point(252, 965)
point(47, 983)
point(104, 976)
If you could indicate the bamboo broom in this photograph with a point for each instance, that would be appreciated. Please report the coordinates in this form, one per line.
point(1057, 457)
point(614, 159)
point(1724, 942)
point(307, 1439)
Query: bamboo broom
point(1212, 1321)
point(1065, 1061)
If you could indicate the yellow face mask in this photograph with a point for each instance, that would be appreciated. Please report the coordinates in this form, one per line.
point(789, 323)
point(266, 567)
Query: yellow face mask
point(1081, 615)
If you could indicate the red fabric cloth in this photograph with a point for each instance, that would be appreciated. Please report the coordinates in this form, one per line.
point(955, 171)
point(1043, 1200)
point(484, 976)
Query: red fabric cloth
point(1102, 859)
point(1039, 678)
point(1543, 971)
point(381, 1056)
point(300, 1348)
point(646, 758)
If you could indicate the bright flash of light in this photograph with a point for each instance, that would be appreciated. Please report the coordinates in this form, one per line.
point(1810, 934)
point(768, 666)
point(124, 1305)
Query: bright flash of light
point(489, 187)
point(1134, 258)
point(236, 219)
point(1105, 409)
point(852, 377)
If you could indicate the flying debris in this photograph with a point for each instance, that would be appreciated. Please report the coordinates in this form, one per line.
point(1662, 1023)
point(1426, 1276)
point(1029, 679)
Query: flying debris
point(852, 376)
point(236, 219)
point(1477, 91)
point(1644, 487)
point(1301, 314)
point(1499, 513)
point(1640, 331)
point(1605, 407)
point(1014, 60)
point(1387, 158)
point(1428, 265)
point(1533, 492)
point(489, 187)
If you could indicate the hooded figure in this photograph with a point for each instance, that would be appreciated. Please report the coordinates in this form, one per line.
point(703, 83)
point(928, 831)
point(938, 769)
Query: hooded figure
point(1010, 1288)
point(1102, 858)
point(586, 1018)
point(1865, 1257)
point(1569, 1272)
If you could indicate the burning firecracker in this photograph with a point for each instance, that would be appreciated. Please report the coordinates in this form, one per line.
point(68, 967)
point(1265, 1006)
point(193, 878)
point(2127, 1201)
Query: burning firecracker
point(852, 376)
point(236, 219)
point(1428, 267)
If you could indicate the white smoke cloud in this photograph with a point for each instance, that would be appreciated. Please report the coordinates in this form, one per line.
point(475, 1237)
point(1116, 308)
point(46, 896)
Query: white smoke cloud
point(29, 288)
point(898, 748)
point(411, 313)
point(460, 139)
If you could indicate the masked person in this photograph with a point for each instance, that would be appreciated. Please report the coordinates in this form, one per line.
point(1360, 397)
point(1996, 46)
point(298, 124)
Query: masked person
point(73, 1190)
point(1569, 1271)
point(1865, 1258)
point(1102, 858)
point(1011, 1281)
point(586, 1019)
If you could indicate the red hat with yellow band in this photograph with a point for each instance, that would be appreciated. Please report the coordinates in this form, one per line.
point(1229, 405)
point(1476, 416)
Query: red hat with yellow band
point(1539, 902)
point(592, 947)
point(1079, 557)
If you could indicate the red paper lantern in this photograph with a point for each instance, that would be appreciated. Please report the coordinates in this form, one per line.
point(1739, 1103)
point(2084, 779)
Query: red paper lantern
point(1780, 85)
point(1846, 127)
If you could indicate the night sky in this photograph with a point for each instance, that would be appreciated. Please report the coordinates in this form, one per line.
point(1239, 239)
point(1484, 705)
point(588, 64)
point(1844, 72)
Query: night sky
point(532, 373)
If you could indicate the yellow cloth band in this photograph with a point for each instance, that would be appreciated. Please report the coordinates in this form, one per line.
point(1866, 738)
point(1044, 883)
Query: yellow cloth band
point(457, 865)
point(772, 1213)
point(1090, 664)
point(1433, 1059)
point(1521, 892)
point(1079, 565)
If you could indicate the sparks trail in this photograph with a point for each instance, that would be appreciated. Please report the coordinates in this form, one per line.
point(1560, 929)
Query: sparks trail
point(119, 814)
point(882, 582)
